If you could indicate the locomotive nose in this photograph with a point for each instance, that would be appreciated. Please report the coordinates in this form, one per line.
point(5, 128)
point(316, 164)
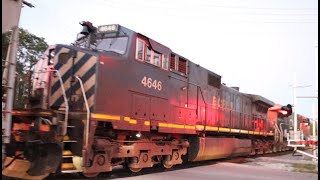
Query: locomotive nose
point(45, 158)
point(71, 62)
point(18, 169)
point(42, 159)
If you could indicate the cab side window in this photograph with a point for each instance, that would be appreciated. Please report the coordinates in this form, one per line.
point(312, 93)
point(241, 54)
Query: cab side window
point(156, 59)
point(148, 56)
point(145, 53)
point(165, 62)
point(140, 50)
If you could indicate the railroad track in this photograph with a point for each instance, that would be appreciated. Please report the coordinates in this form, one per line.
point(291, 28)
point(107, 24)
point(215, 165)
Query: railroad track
point(121, 172)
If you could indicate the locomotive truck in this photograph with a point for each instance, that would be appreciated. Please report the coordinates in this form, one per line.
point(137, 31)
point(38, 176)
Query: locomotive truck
point(117, 97)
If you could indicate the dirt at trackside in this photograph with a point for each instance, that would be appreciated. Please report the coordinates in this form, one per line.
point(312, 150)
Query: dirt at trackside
point(286, 162)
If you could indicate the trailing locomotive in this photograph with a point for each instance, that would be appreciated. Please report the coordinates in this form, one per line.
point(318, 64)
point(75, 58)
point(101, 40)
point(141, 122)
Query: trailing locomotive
point(117, 97)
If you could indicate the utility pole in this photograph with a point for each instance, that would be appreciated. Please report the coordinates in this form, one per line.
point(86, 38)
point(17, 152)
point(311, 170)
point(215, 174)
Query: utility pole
point(315, 108)
point(314, 120)
point(314, 135)
point(11, 22)
point(316, 59)
point(295, 104)
point(10, 84)
point(11, 10)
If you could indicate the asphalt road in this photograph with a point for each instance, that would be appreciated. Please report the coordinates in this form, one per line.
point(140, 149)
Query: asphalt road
point(227, 171)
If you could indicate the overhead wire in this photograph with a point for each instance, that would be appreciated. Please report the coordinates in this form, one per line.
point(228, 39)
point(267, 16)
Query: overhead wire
point(173, 11)
point(110, 2)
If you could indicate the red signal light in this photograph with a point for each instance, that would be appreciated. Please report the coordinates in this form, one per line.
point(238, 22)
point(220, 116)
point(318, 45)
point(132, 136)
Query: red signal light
point(286, 110)
point(283, 112)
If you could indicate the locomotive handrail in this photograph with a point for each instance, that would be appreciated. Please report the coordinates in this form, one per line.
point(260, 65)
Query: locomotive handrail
point(88, 110)
point(278, 130)
point(251, 117)
point(184, 81)
point(198, 87)
point(64, 132)
point(281, 132)
point(205, 107)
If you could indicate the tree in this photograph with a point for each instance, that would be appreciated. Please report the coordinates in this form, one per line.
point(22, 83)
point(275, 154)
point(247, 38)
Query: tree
point(5, 45)
point(30, 48)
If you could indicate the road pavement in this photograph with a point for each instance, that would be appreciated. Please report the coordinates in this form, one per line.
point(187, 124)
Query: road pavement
point(227, 171)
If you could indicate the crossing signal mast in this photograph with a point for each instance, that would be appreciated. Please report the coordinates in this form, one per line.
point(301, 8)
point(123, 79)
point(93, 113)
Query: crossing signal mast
point(272, 114)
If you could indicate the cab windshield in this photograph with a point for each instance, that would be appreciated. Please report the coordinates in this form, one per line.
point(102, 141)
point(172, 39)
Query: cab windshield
point(108, 44)
point(115, 44)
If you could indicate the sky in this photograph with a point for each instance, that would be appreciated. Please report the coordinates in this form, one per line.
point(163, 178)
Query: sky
point(257, 45)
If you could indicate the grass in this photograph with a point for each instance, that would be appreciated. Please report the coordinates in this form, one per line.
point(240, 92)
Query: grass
point(306, 168)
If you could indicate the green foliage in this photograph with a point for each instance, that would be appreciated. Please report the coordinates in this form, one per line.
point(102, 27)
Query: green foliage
point(30, 49)
point(306, 168)
point(5, 45)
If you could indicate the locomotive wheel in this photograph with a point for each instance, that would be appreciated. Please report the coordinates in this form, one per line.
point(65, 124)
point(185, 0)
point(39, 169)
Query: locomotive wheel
point(165, 162)
point(167, 166)
point(91, 175)
point(133, 160)
point(135, 170)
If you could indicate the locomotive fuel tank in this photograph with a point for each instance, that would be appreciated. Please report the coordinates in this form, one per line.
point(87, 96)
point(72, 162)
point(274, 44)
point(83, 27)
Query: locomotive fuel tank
point(207, 148)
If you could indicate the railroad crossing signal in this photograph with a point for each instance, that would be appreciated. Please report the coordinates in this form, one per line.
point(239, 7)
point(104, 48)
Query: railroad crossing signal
point(286, 110)
point(283, 110)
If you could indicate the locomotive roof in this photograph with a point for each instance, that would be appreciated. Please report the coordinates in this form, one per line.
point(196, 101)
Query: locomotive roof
point(156, 45)
point(164, 49)
point(258, 98)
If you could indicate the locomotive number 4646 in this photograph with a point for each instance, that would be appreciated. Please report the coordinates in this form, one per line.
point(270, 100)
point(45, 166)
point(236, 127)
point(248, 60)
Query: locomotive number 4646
point(148, 82)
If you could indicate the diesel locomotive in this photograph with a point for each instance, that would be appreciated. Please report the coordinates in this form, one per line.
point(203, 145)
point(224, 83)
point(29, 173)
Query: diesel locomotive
point(117, 97)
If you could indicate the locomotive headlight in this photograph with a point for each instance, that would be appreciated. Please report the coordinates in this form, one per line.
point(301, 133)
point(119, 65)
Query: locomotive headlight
point(52, 54)
point(138, 135)
point(108, 28)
